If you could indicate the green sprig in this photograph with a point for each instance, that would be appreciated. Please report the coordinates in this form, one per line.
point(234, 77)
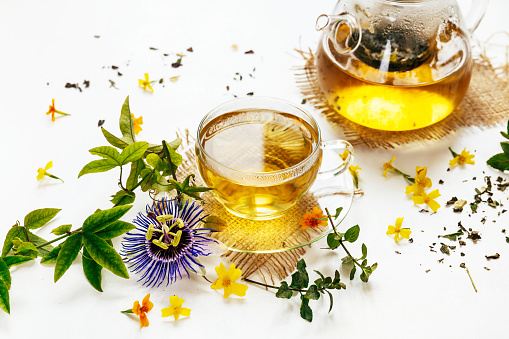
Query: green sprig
point(500, 161)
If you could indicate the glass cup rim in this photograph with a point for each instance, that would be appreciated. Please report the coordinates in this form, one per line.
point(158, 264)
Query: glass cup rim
point(255, 99)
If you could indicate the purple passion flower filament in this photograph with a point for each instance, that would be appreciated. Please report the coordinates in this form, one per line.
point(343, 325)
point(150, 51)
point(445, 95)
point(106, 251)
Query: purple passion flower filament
point(167, 242)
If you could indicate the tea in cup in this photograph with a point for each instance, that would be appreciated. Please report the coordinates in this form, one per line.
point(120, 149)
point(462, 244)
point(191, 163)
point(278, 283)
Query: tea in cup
point(261, 155)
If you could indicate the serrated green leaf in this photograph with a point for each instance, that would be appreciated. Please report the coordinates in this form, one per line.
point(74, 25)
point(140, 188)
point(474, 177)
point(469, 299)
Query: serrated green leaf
point(352, 272)
point(92, 271)
point(133, 152)
point(105, 255)
point(123, 198)
point(499, 161)
point(115, 229)
point(113, 140)
point(69, 251)
point(15, 260)
point(102, 219)
point(283, 292)
point(97, 166)
point(126, 123)
point(51, 257)
point(40, 217)
point(305, 311)
point(352, 233)
point(300, 279)
point(136, 168)
point(60, 230)
point(107, 152)
point(5, 275)
point(4, 298)
point(312, 293)
point(505, 148)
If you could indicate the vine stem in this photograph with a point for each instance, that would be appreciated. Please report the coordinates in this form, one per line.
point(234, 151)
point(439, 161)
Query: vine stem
point(277, 288)
point(341, 242)
point(59, 238)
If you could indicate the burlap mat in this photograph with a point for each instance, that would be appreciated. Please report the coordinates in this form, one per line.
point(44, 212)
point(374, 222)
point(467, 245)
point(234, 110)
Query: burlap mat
point(485, 104)
point(245, 235)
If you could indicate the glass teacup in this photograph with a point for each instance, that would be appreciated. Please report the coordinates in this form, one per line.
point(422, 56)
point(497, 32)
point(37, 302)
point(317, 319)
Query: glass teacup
point(261, 155)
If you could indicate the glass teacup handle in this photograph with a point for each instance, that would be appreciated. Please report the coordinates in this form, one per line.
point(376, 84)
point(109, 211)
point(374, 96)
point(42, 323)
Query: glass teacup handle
point(476, 13)
point(344, 30)
point(341, 160)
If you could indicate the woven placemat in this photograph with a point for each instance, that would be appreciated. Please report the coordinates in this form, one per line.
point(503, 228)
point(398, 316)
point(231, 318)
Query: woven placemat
point(485, 104)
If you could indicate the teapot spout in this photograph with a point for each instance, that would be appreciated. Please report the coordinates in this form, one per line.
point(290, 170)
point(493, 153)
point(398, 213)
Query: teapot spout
point(344, 30)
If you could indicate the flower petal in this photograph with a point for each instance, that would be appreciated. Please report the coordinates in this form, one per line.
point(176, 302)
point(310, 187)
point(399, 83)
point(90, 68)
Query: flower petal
point(143, 320)
point(186, 312)
point(405, 233)
point(391, 230)
point(399, 222)
point(234, 273)
point(166, 312)
point(434, 205)
point(221, 270)
point(238, 289)
point(136, 307)
point(218, 284)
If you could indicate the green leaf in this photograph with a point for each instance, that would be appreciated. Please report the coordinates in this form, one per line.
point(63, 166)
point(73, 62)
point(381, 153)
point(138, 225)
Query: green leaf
point(40, 217)
point(175, 158)
point(69, 251)
point(283, 292)
point(305, 311)
point(126, 123)
point(133, 152)
point(92, 270)
point(505, 148)
point(4, 298)
point(123, 198)
point(338, 212)
point(505, 135)
point(364, 252)
point(154, 161)
point(97, 166)
point(107, 152)
point(499, 161)
point(333, 241)
point(150, 176)
point(15, 231)
point(331, 299)
point(115, 229)
point(15, 260)
point(105, 255)
point(51, 257)
point(175, 144)
point(312, 293)
point(352, 272)
point(113, 140)
point(38, 241)
point(5, 275)
point(300, 279)
point(352, 233)
point(102, 219)
point(136, 168)
point(60, 230)
point(19, 231)
point(452, 236)
point(215, 223)
point(27, 249)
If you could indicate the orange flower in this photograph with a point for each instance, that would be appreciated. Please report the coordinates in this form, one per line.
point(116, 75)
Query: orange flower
point(137, 124)
point(141, 311)
point(52, 110)
point(312, 219)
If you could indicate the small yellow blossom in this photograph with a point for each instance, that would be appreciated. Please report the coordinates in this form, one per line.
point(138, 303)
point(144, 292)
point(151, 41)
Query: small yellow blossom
point(175, 309)
point(388, 166)
point(52, 110)
point(227, 279)
point(464, 158)
point(345, 154)
point(421, 182)
point(399, 233)
point(145, 83)
point(428, 199)
point(137, 124)
point(312, 219)
point(42, 172)
point(355, 174)
point(141, 311)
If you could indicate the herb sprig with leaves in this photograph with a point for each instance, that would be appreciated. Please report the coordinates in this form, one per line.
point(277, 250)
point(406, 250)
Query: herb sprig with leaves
point(500, 161)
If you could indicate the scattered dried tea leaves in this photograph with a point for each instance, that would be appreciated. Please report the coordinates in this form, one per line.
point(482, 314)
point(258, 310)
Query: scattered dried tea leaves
point(492, 257)
point(458, 205)
point(69, 85)
point(100, 123)
point(190, 50)
point(452, 236)
point(249, 52)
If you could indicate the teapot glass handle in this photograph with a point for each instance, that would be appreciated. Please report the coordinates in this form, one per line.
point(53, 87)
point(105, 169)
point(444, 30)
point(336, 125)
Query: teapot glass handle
point(344, 30)
point(476, 13)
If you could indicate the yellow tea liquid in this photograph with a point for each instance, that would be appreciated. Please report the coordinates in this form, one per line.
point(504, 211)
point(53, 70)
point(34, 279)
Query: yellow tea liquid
point(392, 100)
point(258, 144)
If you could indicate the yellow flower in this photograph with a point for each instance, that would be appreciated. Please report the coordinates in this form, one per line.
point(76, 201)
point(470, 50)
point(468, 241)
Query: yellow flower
point(227, 279)
point(141, 311)
point(354, 171)
point(428, 199)
point(344, 155)
point(41, 173)
point(145, 83)
point(175, 309)
point(421, 182)
point(52, 110)
point(312, 219)
point(464, 158)
point(388, 166)
point(399, 233)
point(137, 124)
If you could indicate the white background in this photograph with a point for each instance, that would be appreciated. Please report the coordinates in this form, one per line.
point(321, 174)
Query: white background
point(46, 44)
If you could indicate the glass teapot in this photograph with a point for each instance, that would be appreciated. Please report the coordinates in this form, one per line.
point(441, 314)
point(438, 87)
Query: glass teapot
point(396, 64)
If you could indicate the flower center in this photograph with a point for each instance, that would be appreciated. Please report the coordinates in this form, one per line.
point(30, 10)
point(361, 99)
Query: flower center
point(226, 282)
